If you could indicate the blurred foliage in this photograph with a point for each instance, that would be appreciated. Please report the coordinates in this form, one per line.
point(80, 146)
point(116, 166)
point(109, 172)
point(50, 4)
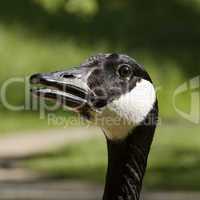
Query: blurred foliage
point(86, 7)
point(79, 7)
point(168, 29)
point(51, 5)
point(195, 4)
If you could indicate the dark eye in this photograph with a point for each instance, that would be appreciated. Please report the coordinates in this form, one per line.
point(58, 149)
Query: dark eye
point(125, 71)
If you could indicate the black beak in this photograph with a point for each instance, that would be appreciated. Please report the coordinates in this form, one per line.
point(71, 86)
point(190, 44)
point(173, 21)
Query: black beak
point(67, 87)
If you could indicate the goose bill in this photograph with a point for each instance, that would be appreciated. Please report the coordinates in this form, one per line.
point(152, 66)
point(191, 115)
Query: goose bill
point(69, 92)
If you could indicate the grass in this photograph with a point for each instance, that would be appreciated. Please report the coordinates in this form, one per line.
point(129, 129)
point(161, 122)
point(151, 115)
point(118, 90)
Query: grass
point(173, 164)
point(174, 161)
point(29, 121)
point(37, 119)
point(13, 123)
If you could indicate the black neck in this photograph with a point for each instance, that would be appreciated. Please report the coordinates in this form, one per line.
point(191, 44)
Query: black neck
point(127, 161)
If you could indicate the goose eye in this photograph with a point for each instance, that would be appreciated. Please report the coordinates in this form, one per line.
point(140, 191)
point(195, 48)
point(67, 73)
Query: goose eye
point(125, 71)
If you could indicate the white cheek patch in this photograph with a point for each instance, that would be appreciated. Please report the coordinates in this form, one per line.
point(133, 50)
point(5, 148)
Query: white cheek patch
point(135, 105)
point(132, 107)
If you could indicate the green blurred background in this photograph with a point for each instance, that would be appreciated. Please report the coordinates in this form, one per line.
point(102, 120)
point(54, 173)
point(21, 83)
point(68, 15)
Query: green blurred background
point(49, 35)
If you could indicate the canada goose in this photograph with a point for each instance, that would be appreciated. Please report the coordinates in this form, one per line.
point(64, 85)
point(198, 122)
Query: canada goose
point(111, 86)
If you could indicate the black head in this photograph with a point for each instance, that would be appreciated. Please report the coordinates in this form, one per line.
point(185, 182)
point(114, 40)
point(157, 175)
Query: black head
point(106, 85)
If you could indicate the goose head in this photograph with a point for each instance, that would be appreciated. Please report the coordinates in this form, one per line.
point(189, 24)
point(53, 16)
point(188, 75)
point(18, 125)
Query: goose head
point(111, 90)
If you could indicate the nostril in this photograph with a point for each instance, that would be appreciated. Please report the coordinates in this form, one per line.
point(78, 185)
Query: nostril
point(67, 75)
